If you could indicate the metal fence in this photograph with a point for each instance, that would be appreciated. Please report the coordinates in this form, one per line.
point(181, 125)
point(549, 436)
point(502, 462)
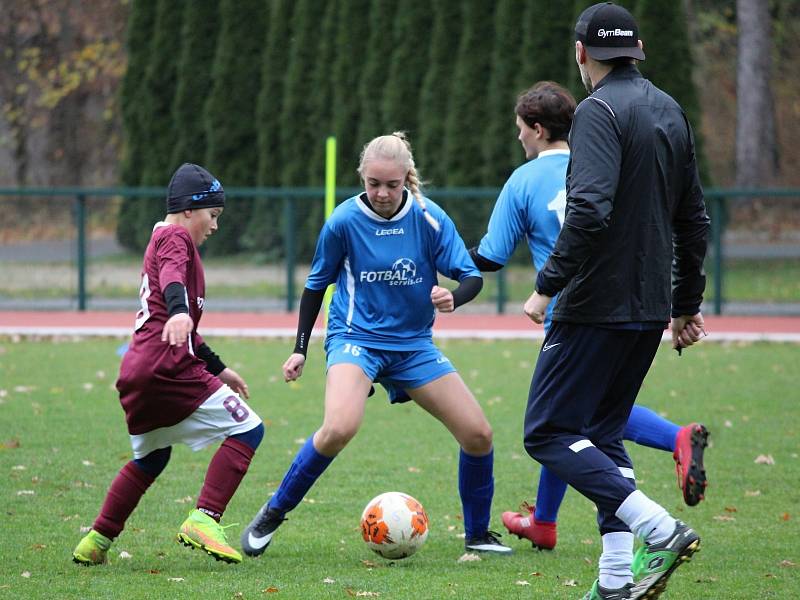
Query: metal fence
point(295, 202)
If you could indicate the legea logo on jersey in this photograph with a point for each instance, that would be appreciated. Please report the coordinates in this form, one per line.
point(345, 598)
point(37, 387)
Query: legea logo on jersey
point(393, 231)
point(403, 272)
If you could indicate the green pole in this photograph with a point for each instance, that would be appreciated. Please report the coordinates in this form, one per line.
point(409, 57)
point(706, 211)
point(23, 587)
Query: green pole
point(289, 233)
point(716, 240)
point(330, 203)
point(80, 218)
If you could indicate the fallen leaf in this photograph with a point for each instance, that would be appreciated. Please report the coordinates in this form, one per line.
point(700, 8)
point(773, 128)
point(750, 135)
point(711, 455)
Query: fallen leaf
point(587, 541)
point(328, 580)
point(25, 493)
point(413, 470)
point(18, 468)
point(468, 557)
point(9, 444)
point(521, 582)
point(369, 564)
point(184, 500)
point(785, 516)
point(752, 493)
point(535, 574)
point(125, 554)
point(39, 546)
point(570, 583)
point(26, 574)
point(724, 518)
point(270, 590)
point(788, 563)
point(154, 571)
point(728, 423)
point(87, 463)
point(87, 386)
point(730, 509)
point(764, 459)
point(176, 579)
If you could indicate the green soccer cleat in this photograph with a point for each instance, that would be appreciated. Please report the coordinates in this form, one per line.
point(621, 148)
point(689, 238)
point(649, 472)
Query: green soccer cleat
point(92, 549)
point(598, 592)
point(654, 563)
point(202, 532)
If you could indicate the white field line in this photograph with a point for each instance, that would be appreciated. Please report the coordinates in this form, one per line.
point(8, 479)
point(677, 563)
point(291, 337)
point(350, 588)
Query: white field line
point(286, 332)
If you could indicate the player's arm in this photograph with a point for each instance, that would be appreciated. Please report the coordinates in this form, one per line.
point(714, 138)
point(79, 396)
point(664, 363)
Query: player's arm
point(594, 169)
point(310, 305)
point(179, 325)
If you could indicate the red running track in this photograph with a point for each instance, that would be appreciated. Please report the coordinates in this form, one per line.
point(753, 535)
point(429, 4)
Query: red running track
point(262, 324)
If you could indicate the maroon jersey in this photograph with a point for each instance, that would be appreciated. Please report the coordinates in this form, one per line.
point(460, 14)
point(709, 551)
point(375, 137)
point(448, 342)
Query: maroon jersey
point(160, 385)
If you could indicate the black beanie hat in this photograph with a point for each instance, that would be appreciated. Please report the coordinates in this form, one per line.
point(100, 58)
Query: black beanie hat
point(193, 187)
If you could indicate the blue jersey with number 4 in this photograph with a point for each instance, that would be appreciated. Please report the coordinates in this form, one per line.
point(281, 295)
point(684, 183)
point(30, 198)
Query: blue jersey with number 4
point(531, 205)
point(384, 270)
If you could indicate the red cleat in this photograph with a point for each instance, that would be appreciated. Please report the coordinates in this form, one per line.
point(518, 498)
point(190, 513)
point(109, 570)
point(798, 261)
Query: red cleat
point(542, 534)
point(690, 443)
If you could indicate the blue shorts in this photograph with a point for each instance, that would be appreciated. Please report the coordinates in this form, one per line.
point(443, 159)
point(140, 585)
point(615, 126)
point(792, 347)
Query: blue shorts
point(395, 370)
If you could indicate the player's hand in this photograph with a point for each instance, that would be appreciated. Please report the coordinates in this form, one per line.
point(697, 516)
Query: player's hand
point(536, 307)
point(177, 329)
point(686, 330)
point(293, 367)
point(442, 299)
point(235, 382)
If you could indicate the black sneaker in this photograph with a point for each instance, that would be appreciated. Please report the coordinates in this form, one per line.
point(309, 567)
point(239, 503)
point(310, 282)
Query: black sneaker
point(598, 592)
point(488, 542)
point(257, 536)
point(654, 563)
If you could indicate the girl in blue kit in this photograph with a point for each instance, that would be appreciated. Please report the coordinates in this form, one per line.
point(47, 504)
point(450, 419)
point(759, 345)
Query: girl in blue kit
point(383, 249)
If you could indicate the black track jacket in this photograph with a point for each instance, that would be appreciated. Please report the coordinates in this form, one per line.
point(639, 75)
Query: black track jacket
point(636, 222)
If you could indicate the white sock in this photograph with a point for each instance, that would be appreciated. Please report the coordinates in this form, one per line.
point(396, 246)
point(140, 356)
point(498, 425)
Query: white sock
point(615, 562)
point(648, 520)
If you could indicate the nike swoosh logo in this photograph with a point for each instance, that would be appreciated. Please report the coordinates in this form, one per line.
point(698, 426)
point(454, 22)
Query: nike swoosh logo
point(547, 347)
point(257, 542)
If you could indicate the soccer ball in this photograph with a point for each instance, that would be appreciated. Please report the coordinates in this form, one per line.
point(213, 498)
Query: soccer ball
point(394, 525)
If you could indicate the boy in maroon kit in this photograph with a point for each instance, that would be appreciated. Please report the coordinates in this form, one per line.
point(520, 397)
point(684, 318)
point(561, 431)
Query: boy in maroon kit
point(172, 387)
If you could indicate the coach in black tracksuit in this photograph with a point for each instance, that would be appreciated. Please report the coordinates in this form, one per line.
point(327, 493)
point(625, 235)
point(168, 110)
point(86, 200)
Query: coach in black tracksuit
point(629, 256)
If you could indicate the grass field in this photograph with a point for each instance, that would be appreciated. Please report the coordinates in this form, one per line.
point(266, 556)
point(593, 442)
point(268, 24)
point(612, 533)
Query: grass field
point(62, 439)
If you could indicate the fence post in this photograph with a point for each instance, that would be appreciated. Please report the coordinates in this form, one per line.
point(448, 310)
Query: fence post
point(80, 219)
point(288, 236)
point(501, 291)
point(716, 240)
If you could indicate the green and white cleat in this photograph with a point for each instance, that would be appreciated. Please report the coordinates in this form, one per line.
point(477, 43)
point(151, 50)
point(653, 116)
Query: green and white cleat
point(598, 592)
point(204, 533)
point(92, 549)
point(654, 563)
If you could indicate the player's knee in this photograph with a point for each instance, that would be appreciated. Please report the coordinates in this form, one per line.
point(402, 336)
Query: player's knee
point(331, 439)
point(155, 462)
point(251, 438)
point(479, 441)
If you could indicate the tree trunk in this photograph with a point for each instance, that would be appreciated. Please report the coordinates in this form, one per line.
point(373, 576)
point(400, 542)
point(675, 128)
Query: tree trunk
point(756, 146)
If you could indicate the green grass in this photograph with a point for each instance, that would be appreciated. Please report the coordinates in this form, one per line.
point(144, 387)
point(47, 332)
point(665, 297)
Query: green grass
point(62, 436)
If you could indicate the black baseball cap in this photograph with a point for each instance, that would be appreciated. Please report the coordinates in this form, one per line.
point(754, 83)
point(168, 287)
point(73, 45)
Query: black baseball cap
point(607, 31)
point(193, 187)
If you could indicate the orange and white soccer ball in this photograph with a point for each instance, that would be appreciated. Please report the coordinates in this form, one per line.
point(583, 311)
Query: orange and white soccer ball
point(394, 525)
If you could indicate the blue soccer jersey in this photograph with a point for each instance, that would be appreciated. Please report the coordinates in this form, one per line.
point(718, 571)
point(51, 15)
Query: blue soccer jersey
point(531, 204)
point(384, 270)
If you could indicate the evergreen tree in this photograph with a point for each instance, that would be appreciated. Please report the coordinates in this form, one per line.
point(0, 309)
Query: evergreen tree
point(140, 31)
point(436, 88)
point(499, 155)
point(549, 36)
point(467, 109)
point(160, 84)
point(199, 37)
point(408, 64)
point(297, 138)
point(468, 112)
point(263, 233)
point(380, 46)
point(664, 30)
point(353, 21)
point(320, 116)
point(230, 111)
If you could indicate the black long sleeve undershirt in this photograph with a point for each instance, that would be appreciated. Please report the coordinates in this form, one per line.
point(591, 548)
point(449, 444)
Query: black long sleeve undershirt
point(484, 264)
point(310, 304)
point(467, 289)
